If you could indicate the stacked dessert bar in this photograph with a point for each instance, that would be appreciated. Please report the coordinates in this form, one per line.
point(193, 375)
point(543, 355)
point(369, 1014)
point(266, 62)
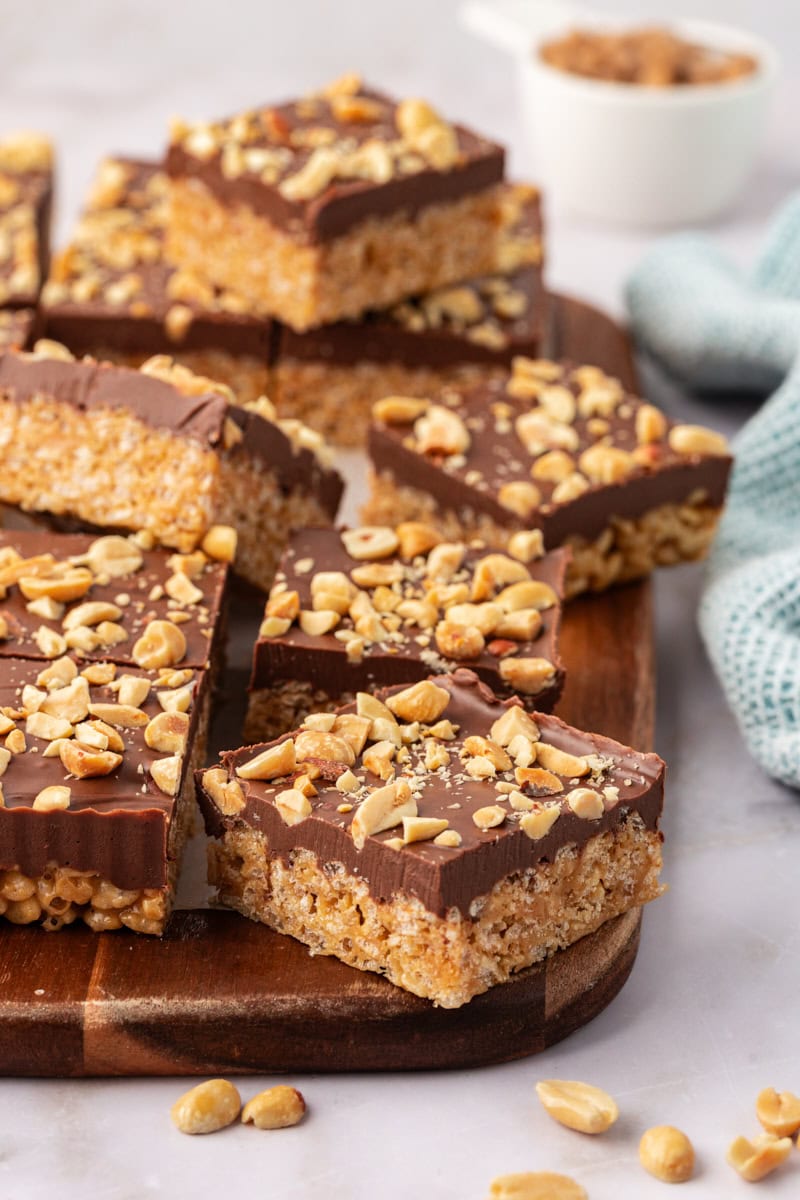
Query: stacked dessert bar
point(330, 251)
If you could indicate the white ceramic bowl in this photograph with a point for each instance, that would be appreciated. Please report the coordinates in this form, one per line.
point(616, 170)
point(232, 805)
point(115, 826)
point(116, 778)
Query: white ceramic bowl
point(621, 152)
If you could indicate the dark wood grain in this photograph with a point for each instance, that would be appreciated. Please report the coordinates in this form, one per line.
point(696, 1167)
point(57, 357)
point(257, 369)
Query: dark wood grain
point(220, 994)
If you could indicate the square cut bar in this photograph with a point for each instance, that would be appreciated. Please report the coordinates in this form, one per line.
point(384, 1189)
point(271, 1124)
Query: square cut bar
point(435, 834)
point(107, 599)
point(557, 448)
point(334, 204)
point(455, 336)
point(26, 198)
point(97, 790)
point(110, 293)
point(160, 451)
point(360, 609)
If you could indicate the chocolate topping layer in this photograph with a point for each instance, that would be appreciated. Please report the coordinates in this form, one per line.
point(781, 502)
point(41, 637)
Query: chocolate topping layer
point(248, 159)
point(409, 654)
point(484, 320)
point(110, 287)
point(627, 783)
point(649, 475)
point(117, 824)
point(138, 596)
point(89, 386)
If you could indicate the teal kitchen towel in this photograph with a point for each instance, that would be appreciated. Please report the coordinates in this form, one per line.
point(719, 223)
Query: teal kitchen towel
point(719, 329)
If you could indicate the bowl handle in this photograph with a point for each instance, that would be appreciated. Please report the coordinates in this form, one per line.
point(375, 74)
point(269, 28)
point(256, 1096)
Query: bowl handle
point(514, 25)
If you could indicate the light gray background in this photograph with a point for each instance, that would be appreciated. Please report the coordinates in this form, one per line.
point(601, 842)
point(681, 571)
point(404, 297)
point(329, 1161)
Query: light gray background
point(710, 1014)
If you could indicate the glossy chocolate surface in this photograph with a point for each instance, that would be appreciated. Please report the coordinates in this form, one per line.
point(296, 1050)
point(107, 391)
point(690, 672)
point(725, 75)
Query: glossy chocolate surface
point(111, 288)
point(497, 456)
point(139, 598)
point(444, 878)
point(117, 824)
point(282, 131)
point(323, 662)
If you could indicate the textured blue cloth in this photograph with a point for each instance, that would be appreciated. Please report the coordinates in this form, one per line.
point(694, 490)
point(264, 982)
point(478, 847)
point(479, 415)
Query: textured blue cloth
point(716, 328)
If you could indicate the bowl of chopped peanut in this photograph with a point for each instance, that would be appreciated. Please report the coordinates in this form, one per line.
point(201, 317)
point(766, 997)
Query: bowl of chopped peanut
point(645, 127)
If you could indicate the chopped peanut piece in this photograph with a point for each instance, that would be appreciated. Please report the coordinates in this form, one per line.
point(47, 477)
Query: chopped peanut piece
point(560, 762)
point(489, 817)
point(577, 1105)
point(206, 1108)
point(536, 1185)
point(383, 809)
point(293, 806)
point(166, 773)
point(755, 1159)
point(370, 541)
point(422, 829)
point(586, 803)
point(50, 799)
point(276, 1108)
point(424, 701)
point(667, 1154)
point(270, 764)
point(513, 722)
point(311, 744)
point(161, 645)
point(220, 543)
point(85, 762)
point(778, 1112)
point(226, 794)
point(539, 821)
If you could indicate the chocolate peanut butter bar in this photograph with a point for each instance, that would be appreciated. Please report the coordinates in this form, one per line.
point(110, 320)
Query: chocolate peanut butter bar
point(557, 448)
point(334, 204)
point(456, 336)
point(435, 834)
point(96, 789)
point(160, 451)
point(111, 294)
point(359, 609)
point(26, 194)
point(108, 599)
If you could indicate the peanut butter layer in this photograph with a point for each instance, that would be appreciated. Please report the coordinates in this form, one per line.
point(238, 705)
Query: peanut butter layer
point(26, 193)
point(318, 166)
point(110, 287)
point(93, 757)
point(485, 320)
point(358, 609)
point(433, 793)
point(96, 597)
point(554, 447)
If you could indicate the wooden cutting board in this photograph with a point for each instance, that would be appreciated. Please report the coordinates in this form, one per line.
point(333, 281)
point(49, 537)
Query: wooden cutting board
point(222, 995)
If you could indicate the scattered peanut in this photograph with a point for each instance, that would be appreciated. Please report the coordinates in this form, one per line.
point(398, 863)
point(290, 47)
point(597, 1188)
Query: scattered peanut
point(536, 1185)
point(276, 1108)
point(577, 1105)
point(667, 1154)
point(778, 1112)
point(755, 1159)
point(206, 1108)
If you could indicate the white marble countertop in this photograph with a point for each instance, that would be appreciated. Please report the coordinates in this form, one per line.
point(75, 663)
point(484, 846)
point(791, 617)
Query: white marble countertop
point(709, 1016)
